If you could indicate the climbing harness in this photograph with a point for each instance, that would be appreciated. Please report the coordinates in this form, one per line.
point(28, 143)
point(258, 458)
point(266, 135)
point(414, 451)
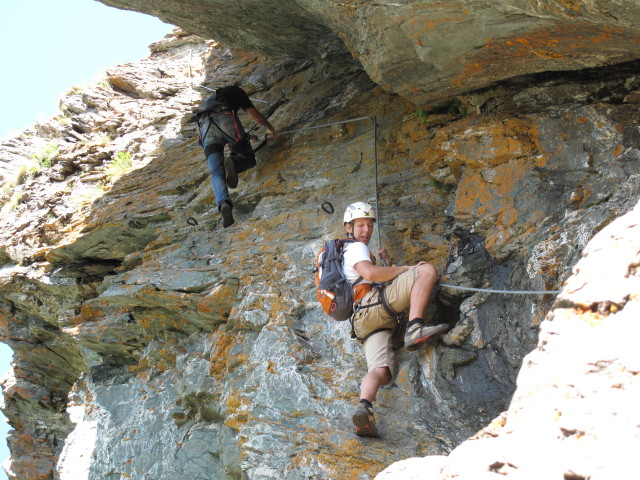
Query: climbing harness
point(240, 138)
point(272, 108)
point(242, 152)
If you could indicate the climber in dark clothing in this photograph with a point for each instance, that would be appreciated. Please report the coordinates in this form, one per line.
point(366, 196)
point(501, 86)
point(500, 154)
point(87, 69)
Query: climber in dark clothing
point(220, 126)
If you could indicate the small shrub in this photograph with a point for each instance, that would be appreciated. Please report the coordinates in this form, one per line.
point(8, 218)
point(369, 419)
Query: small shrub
point(120, 164)
point(456, 107)
point(74, 90)
point(33, 169)
point(422, 115)
point(63, 119)
point(6, 193)
point(27, 171)
point(441, 186)
point(15, 200)
point(104, 139)
point(46, 154)
point(82, 197)
point(103, 81)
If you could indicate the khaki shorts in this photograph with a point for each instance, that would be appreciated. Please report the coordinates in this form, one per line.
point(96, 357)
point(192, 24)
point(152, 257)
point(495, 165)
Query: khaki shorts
point(398, 295)
point(378, 348)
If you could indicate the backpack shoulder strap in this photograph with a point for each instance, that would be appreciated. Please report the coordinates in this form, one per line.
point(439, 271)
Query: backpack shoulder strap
point(341, 242)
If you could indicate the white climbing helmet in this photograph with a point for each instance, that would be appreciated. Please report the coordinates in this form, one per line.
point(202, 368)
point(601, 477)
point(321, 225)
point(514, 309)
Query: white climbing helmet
point(359, 210)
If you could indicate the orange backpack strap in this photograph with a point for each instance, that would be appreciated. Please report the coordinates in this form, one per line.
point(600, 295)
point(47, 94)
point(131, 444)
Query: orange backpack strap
point(360, 291)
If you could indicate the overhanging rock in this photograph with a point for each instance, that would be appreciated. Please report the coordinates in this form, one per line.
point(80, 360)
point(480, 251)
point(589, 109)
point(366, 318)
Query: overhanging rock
point(424, 51)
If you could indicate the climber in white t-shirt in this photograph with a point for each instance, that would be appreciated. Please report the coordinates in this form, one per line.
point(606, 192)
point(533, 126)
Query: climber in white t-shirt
point(381, 294)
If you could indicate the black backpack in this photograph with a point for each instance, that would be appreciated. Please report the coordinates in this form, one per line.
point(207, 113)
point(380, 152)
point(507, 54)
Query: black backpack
point(216, 103)
point(334, 292)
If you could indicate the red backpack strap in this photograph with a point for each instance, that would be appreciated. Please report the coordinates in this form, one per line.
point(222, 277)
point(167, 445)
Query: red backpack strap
point(237, 127)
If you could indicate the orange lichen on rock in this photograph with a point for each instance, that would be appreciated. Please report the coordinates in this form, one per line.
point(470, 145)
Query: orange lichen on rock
point(348, 460)
point(271, 367)
point(90, 312)
point(617, 150)
point(478, 197)
point(237, 411)
point(556, 43)
point(221, 360)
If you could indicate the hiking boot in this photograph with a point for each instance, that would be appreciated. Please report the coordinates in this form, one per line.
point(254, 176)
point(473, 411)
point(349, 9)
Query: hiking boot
point(232, 174)
point(364, 421)
point(417, 334)
point(227, 214)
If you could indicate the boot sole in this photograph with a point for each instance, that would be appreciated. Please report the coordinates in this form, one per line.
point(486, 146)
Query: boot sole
point(232, 175)
point(364, 428)
point(227, 216)
point(426, 340)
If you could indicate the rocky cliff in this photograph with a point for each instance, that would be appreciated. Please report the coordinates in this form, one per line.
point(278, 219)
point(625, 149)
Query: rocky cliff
point(425, 51)
point(151, 343)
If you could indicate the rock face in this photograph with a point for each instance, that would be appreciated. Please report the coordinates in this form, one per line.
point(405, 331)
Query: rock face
point(151, 343)
point(423, 51)
point(575, 390)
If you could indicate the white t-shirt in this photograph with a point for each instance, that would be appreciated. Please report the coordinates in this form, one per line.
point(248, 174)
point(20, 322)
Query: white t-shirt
point(353, 253)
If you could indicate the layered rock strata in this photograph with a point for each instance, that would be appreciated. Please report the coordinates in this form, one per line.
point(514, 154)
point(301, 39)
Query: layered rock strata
point(424, 51)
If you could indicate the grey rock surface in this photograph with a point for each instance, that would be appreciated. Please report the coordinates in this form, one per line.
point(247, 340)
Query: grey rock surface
point(572, 414)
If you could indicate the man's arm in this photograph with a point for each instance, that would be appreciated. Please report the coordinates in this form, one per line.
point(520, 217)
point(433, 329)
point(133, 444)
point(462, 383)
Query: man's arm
point(377, 273)
point(261, 120)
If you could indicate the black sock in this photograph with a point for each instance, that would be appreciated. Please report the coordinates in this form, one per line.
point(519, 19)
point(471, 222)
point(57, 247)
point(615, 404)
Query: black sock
point(414, 321)
point(366, 402)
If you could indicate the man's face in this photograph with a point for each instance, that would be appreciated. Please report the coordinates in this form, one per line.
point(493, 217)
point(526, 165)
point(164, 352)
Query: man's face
point(362, 229)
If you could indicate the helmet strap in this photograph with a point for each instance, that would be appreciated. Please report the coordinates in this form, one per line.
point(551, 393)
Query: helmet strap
point(350, 234)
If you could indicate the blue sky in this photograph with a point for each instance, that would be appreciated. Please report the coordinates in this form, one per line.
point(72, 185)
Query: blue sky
point(47, 47)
